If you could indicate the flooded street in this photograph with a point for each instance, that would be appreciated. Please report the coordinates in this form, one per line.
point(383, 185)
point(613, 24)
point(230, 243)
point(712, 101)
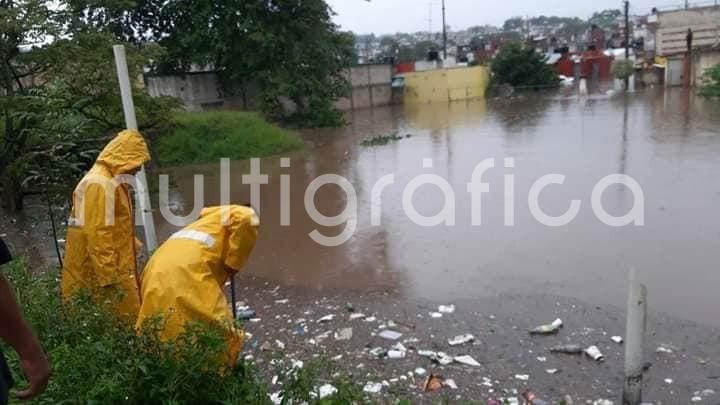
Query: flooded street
point(668, 141)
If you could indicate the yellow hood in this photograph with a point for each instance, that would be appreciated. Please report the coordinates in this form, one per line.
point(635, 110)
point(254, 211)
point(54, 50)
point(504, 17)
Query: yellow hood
point(241, 229)
point(125, 153)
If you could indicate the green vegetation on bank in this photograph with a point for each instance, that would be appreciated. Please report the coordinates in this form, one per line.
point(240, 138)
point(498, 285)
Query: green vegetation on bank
point(97, 359)
point(521, 66)
point(200, 137)
point(711, 82)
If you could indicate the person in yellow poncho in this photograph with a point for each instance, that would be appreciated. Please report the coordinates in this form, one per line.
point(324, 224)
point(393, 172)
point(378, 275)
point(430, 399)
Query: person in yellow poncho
point(183, 281)
point(101, 246)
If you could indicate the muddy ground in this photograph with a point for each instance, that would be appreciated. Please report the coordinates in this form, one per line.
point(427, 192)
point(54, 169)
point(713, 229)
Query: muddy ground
point(503, 347)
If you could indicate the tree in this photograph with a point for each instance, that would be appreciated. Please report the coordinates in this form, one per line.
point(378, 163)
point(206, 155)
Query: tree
point(514, 24)
point(711, 82)
point(60, 99)
point(518, 65)
point(291, 48)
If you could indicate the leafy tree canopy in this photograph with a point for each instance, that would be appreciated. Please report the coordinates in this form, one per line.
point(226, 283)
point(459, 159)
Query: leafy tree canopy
point(518, 65)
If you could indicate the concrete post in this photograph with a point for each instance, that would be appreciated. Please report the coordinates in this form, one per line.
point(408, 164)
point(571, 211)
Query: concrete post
point(635, 341)
point(141, 192)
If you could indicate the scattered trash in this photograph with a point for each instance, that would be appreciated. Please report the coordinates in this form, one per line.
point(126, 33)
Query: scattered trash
point(450, 383)
point(567, 349)
point(327, 390)
point(378, 352)
point(663, 348)
point(356, 315)
point(253, 320)
point(532, 398)
point(247, 314)
point(372, 388)
point(617, 339)
point(602, 402)
point(426, 353)
point(467, 360)
point(668, 381)
point(370, 319)
point(326, 318)
point(296, 364)
point(435, 315)
point(696, 398)
point(396, 354)
point(266, 347)
point(279, 344)
point(390, 334)
point(349, 307)
point(276, 398)
point(344, 334)
point(552, 371)
point(522, 377)
point(547, 329)
point(442, 358)
point(283, 301)
point(446, 309)
point(461, 339)
point(541, 359)
point(432, 383)
point(420, 371)
point(594, 353)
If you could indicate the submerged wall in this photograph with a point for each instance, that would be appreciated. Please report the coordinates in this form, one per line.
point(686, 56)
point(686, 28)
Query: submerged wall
point(446, 84)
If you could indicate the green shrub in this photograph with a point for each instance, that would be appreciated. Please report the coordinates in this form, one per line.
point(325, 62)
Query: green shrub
point(711, 82)
point(201, 137)
point(97, 359)
point(622, 69)
point(521, 66)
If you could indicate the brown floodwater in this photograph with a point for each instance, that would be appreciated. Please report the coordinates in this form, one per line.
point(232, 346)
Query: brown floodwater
point(669, 141)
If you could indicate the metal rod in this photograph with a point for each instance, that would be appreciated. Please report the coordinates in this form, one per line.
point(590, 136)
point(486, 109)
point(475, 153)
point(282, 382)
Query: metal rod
point(232, 296)
point(444, 31)
point(635, 341)
point(142, 196)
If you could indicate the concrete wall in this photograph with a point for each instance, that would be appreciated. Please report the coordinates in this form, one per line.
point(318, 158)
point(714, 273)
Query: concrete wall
point(371, 87)
point(672, 29)
point(445, 85)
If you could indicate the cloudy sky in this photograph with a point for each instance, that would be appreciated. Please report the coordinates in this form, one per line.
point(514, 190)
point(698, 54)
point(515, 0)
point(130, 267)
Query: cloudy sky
point(390, 16)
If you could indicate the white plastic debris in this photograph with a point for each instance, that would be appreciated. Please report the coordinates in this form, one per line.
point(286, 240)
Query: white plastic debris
point(541, 359)
point(326, 318)
point(617, 339)
point(426, 353)
point(696, 398)
point(370, 319)
point(594, 353)
point(461, 339)
point(603, 402)
point(372, 388)
point(443, 358)
point(467, 360)
point(668, 381)
point(450, 383)
point(356, 315)
point(400, 347)
point(327, 390)
point(296, 364)
point(283, 301)
point(446, 309)
point(344, 334)
point(664, 349)
point(390, 334)
point(280, 345)
point(547, 329)
point(522, 377)
point(276, 397)
point(396, 354)
point(274, 380)
point(420, 371)
point(552, 371)
point(435, 315)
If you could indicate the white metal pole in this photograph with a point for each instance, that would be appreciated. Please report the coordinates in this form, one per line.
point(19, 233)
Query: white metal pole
point(141, 192)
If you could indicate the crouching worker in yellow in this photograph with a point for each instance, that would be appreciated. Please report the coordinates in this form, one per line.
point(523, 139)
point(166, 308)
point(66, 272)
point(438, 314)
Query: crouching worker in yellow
point(101, 246)
point(183, 281)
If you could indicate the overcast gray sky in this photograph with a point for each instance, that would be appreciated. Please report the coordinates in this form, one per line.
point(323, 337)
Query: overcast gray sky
point(390, 16)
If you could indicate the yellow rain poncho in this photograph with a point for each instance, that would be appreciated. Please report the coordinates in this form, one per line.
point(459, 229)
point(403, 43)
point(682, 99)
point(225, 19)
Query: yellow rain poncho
point(183, 281)
point(100, 250)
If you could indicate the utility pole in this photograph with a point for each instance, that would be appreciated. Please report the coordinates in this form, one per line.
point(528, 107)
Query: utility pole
point(430, 21)
point(444, 32)
point(627, 39)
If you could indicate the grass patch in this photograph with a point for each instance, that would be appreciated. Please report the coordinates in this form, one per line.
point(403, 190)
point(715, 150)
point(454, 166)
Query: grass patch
point(203, 137)
point(97, 359)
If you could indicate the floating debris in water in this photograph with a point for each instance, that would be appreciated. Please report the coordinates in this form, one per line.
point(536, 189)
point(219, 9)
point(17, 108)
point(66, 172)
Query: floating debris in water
point(372, 388)
point(446, 309)
point(326, 318)
point(567, 349)
point(594, 353)
point(467, 360)
point(381, 140)
point(420, 371)
point(435, 315)
point(522, 377)
point(344, 334)
point(356, 315)
point(617, 339)
point(390, 334)
point(552, 371)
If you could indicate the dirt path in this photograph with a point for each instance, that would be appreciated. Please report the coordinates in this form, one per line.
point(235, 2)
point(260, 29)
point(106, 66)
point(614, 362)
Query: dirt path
point(502, 345)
